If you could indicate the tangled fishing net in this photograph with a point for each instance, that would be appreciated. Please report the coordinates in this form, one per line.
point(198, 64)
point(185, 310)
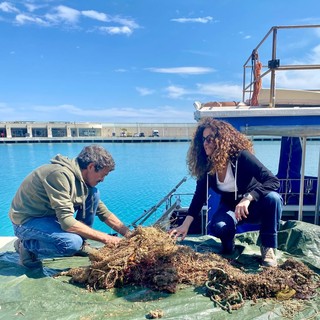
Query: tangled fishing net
point(151, 258)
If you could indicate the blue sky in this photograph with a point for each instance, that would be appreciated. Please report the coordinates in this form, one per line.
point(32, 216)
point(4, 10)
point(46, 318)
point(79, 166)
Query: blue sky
point(141, 60)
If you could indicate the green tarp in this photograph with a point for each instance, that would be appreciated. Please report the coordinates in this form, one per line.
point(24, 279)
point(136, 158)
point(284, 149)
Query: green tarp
point(27, 294)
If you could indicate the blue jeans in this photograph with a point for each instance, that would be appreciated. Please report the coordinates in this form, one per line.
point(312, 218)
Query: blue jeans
point(45, 238)
point(266, 212)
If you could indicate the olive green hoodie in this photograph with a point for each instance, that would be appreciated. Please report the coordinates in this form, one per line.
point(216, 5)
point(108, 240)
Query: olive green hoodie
point(55, 189)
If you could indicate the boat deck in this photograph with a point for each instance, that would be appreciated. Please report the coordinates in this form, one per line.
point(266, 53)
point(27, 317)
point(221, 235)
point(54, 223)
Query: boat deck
point(38, 294)
point(5, 240)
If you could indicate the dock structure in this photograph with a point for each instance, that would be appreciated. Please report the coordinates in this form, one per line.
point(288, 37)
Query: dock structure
point(66, 132)
point(32, 131)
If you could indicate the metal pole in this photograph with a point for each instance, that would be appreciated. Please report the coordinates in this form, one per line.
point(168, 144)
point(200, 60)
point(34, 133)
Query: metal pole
point(244, 84)
point(273, 72)
point(300, 213)
point(316, 217)
point(148, 213)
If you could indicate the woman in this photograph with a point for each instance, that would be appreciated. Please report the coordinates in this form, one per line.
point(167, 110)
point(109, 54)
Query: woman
point(222, 158)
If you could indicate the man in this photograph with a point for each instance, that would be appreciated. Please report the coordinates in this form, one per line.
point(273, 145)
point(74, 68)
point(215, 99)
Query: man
point(54, 208)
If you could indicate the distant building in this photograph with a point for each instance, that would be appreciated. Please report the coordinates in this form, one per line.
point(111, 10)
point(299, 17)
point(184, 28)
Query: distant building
point(32, 129)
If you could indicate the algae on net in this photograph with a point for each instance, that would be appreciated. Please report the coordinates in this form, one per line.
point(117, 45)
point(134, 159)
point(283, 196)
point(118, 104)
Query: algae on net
point(151, 258)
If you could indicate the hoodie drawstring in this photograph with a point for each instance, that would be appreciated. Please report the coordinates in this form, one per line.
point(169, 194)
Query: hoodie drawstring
point(235, 181)
point(83, 202)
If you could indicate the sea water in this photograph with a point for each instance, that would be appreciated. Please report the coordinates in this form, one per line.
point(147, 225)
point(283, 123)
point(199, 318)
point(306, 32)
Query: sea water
point(145, 174)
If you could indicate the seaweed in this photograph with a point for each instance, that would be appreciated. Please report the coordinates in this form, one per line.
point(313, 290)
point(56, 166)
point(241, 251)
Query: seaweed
point(150, 257)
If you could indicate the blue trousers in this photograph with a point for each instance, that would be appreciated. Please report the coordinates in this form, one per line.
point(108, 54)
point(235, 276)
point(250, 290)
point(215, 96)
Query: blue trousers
point(45, 238)
point(266, 212)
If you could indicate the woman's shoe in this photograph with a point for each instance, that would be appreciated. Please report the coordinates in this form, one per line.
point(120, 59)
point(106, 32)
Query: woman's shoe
point(268, 257)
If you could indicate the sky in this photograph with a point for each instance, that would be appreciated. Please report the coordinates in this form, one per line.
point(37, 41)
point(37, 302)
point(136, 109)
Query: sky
point(143, 61)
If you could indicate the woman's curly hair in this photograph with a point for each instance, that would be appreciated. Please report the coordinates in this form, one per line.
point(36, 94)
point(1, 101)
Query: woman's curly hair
point(228, 140)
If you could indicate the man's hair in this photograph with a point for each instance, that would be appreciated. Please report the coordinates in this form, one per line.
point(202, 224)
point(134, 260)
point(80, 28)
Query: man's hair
point(97, 155)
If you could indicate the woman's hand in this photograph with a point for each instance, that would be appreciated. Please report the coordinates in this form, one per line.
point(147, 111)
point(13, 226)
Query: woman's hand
point(241, 211)
point(182, 230)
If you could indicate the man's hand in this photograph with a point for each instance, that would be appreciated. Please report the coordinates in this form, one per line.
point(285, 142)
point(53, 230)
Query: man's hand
point(89, 233)
point(111, 239)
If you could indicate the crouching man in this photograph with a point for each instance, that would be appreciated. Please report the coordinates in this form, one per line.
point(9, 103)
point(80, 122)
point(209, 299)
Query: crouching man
point(55, 206)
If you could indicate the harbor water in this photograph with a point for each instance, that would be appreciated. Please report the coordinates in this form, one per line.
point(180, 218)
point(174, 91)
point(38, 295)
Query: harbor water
point(145, 173)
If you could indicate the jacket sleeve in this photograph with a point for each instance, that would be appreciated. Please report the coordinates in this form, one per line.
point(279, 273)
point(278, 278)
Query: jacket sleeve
point(199, 197)
point(59, 189)
point(251, 168)
point(102, 211)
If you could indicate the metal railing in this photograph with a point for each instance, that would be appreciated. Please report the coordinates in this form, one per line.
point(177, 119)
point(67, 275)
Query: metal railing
point(273, 64)
point(290, 190)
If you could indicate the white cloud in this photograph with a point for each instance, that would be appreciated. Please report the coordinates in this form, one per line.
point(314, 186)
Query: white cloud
point(116, 30)
point(244, 36)
point(307, 79)
point(64, 108)
point(176, 92)
point(221, 91)
point(125, 22)
point(213, 91)
point(23, 18)
point(32, 7)
point(64, 14)
point(315, 55)
point(100, 16)
point(126, 27)
point(299, 79)
point(72, 113)
point(122, 70)
point(193, 20)
point(183, 70)
point(144, 91)
point(160, 114)
point(130, 114)
point(8, 7)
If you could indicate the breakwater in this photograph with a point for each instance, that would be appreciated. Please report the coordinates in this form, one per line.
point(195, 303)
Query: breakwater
point(76, 131)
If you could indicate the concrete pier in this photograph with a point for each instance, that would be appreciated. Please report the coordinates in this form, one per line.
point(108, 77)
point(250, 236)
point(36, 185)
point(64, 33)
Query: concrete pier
point(93, 140)
point(93, 130)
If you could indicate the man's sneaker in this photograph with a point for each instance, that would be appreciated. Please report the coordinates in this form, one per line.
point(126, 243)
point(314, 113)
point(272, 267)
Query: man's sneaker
point(27, 258)
point(85, 250)
point(268, 257)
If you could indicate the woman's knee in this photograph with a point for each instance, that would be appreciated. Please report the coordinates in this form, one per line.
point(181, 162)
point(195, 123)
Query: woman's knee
point(220, 229)
point(217, 228)
point(222, 222)
point(274, 198)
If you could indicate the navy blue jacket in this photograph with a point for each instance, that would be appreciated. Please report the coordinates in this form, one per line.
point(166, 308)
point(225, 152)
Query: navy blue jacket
point(250, 176)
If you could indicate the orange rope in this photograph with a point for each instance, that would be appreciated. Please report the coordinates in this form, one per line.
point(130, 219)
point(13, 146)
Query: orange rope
point(257, 81)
